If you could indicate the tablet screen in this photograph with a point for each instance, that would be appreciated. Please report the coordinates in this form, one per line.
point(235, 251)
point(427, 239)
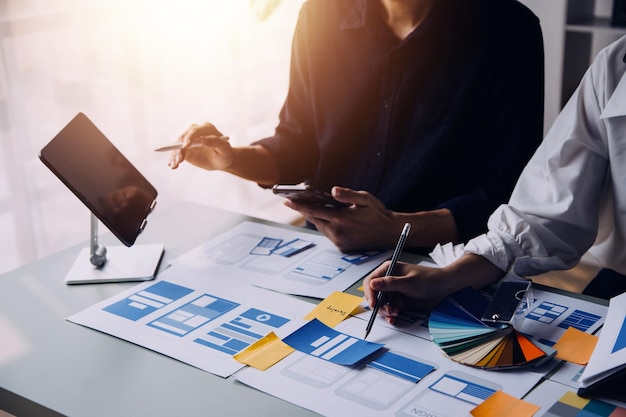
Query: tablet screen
point(101, 177)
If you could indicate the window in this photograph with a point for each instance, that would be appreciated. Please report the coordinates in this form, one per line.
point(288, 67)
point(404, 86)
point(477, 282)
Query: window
point(142, 71)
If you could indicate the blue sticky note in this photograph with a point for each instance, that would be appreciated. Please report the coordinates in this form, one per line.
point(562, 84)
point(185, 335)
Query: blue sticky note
point(319, 340)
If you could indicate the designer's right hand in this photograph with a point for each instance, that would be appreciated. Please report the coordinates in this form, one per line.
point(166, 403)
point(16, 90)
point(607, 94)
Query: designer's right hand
point(203, 146)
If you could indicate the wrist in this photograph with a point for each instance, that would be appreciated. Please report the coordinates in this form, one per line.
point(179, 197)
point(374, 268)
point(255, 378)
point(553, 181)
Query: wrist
point(427, 227)
point(254, 163)
point(394, 223)
point(471, 270)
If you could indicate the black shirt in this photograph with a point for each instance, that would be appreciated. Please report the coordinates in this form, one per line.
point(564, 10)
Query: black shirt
point(446, 118)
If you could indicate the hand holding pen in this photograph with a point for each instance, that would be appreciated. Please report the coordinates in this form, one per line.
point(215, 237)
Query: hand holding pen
point(208, 152)
point(178, 146)
point(394, 260)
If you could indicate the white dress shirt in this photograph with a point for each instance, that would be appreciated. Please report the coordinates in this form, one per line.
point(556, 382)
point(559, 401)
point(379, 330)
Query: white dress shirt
point(571, 197)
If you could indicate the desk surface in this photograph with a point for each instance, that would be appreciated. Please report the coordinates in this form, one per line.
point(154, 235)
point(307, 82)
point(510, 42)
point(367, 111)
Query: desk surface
point(49, 366)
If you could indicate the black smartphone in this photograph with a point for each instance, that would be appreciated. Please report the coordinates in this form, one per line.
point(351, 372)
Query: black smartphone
point(301, 193)
point(102, 178)
point(506, 300)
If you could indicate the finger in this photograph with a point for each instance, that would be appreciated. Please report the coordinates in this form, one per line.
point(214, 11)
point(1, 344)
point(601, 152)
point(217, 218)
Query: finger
point(322, 226)
point(348, 195)
point(368, 290)
point(392, 283)
point(370, 296)
point(195, 132)
point(175, 159)
point(389, 310)
point(187, 136)
point(311, 212)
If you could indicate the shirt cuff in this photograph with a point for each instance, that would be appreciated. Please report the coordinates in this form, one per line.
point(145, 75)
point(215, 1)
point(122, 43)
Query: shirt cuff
point(491, 247)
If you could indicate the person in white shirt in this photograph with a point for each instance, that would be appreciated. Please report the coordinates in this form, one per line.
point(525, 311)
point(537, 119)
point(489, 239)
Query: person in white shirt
point(570, 199)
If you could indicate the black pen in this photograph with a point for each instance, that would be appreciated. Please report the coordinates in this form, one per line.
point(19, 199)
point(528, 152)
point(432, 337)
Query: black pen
point(392, 264)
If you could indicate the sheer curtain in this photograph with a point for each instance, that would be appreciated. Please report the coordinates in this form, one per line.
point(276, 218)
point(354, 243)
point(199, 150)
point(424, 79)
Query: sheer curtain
point(142, 71)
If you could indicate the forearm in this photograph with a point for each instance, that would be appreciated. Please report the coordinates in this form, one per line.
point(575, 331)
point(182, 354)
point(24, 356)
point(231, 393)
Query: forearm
point(427, 227)
point(254, 163)
point(469, 270)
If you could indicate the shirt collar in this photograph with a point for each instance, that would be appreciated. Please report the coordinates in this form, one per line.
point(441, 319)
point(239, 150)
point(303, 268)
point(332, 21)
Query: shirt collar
point(616, 106)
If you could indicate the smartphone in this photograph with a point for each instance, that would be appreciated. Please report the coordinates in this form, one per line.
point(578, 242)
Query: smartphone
point(302, 193)
point(506, 300)
point(82, 157)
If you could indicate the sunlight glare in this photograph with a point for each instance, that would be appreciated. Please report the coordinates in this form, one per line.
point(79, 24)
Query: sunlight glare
point(191, 24)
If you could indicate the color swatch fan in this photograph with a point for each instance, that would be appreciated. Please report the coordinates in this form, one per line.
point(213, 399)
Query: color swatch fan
point(455, 326)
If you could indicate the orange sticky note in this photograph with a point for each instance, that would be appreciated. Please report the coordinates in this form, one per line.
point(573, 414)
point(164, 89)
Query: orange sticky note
point(575, 346)
point(264, 352)
point(335, 308)
point(501, 404)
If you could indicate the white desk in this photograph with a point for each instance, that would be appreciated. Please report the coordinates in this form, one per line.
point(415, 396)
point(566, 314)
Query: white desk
point(62, 368)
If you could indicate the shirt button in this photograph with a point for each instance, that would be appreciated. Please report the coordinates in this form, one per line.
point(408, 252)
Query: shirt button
point(378, 154)
point(386, 104)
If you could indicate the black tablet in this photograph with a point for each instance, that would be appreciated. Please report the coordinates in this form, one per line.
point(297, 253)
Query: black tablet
point(301, 193)
point(101, 177)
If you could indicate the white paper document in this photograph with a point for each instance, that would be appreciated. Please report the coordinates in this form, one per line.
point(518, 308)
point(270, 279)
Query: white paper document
point(195, 321)
point(214, 301)
point(551, 314)
point(449, 390)
point(609, 355)
point(285, 260)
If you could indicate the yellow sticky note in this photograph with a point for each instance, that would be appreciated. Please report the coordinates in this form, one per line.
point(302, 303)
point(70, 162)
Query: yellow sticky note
point(335, 308)
point(264, 352)
point(575, 346)
point(501, 404)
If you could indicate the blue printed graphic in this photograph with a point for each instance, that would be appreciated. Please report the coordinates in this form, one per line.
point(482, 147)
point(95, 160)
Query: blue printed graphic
point(142, 303)
point(580, 320)
point(319, 270)
point(401, 366)
point(192, 315)
point(620, 343)
point(359, 258)
point(266, 246)
point(462, 389)
point(293, 247)
point(236, 335)
point(546, 312)
point(546, 342)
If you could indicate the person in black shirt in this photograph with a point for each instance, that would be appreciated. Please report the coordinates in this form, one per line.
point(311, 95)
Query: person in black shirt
point(419, 111)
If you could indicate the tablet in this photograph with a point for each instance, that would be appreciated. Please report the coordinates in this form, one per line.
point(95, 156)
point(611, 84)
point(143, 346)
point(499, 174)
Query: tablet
point(101, 177)
point(303, 194)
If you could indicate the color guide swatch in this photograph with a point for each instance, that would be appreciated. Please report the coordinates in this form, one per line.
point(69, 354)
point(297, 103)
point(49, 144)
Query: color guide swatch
point(455, 326)
point(571, 405)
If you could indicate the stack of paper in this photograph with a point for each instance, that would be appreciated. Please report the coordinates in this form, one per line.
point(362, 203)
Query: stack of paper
point(608, 361)
point(455, 326)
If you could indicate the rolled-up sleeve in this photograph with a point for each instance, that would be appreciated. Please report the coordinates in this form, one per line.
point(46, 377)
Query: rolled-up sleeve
point(552, 217)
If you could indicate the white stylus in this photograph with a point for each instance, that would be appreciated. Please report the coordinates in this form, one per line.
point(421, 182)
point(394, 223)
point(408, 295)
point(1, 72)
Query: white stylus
point(180, 145)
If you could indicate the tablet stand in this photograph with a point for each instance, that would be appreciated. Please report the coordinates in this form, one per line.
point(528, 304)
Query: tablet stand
point(96, 264)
